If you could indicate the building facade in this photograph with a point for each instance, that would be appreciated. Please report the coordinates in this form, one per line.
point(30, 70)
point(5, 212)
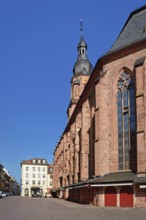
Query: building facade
point(101, 156)
point(50, 177)
point(2, 179)
point(34, 177)
point(8, 183)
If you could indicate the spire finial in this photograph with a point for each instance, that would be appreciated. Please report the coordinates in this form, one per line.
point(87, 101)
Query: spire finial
point(81, 26)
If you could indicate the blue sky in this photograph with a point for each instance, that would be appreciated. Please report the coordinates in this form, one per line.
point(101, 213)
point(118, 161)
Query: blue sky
point(38, 48)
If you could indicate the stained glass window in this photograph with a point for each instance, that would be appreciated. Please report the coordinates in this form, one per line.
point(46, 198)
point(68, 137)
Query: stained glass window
point(126, 120)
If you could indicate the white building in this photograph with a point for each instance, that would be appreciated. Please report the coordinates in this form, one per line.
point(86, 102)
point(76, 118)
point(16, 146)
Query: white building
point(34, 177)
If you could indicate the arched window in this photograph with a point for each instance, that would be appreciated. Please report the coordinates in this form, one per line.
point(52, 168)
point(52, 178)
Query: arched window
point(126, 122)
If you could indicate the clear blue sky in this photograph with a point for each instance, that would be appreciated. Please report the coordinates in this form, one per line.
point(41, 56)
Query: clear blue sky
point(38, 48)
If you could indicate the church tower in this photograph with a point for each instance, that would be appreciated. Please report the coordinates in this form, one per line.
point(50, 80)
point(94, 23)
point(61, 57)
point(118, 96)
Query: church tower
point(81, 73)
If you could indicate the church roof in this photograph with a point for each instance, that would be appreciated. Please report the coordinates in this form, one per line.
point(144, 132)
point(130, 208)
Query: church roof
point(133, 31)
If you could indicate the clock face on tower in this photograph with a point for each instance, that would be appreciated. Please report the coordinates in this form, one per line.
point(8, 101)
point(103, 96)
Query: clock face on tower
point(85, 80)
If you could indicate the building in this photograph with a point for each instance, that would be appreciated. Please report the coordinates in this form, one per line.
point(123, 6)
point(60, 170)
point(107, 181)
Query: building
point(50, 177)
point(14, 187)
point(8, 183)
point(2, 179)
point(34, 177)
point(101, 156)
point(7, 179)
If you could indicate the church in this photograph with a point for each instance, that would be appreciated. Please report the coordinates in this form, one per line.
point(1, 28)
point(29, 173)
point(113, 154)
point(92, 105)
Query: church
point(101, 156)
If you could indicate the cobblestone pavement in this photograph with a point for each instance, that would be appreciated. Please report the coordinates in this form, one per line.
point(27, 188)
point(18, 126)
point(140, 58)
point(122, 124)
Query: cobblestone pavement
point(18, 208)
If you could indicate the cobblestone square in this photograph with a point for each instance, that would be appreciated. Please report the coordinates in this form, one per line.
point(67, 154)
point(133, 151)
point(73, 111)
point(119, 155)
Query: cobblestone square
point(18, 208)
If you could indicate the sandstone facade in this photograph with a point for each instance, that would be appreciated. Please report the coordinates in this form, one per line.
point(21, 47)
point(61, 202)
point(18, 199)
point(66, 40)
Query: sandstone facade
point(95, 162)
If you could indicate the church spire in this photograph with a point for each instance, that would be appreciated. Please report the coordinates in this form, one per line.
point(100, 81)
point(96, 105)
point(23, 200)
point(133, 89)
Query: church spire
point(82, 65)
point(82, 46)
point(81, 72)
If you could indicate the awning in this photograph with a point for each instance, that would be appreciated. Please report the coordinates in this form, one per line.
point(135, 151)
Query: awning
point(35, 187)
point(101, 185)
point(111, 184)
point(77, 187)
point(143, 186)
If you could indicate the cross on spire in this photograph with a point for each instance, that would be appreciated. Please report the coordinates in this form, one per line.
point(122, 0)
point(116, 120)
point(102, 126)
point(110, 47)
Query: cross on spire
point(81, 26)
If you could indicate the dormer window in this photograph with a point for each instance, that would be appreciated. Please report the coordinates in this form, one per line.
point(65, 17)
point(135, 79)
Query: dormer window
point(44, 161)
point(33, 161)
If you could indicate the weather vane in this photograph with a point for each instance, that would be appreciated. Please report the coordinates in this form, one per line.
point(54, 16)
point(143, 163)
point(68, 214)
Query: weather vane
point(81, 26)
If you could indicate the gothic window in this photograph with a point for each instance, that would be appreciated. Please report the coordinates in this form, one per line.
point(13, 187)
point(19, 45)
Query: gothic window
point(126, 121)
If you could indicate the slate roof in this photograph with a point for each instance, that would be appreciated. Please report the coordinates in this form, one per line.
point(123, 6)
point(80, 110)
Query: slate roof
point(118, 177)
point(114, 177)
point(133, 31)
point(141, 179)
point(30, 161)
point(110, 178)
